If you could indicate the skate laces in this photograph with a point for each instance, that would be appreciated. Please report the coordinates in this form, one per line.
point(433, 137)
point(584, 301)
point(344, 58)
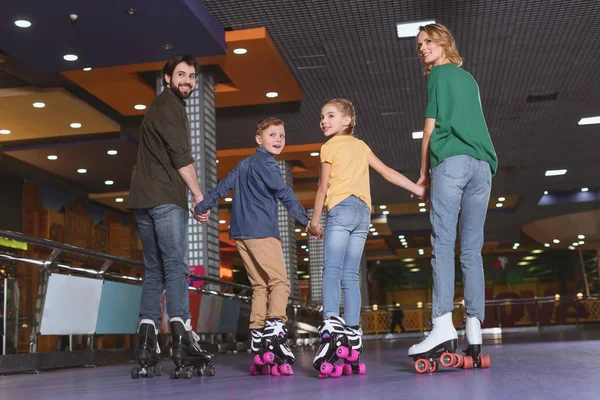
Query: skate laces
point(275, 328)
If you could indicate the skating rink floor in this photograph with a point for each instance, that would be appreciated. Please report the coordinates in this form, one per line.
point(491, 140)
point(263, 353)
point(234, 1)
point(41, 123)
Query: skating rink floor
point(545, 365)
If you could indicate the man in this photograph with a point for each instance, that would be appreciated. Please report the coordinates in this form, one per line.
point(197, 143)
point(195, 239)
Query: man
point(161, 178)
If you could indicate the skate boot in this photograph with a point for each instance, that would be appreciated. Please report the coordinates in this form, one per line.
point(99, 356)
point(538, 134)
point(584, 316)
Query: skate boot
point(473, 357)
point(351, 363)
point(148, 351)
point(188, 357)
point(440, 344)
point(334, 346)
point(277, 357)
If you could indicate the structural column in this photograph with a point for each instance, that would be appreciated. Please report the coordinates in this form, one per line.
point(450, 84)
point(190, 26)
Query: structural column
point(287, 226)
point(315, 263)
point(203, 239)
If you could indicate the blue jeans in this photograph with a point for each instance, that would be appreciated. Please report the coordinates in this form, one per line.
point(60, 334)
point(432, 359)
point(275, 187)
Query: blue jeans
point(460, 192)
point(345, 236)
point(164, 233)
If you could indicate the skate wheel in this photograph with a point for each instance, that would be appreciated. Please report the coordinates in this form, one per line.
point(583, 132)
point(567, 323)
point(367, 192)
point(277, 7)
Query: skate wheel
point(268, 357)
point(286, 369)
point(342, 352)
point(198, 371)
point(265, 370)
point(150, 372)
point(253, 370)
point(322, 376)
point(362, 369)
point(210, 370)
point(176, 374)
point(337, 371)
point(468, 362)
point(485, 361)
point(158, 370)
point(326, 368)
point(275, 370)
point(447, 359)
point(422, 365)
point(434, 366)
point(458, 361)
point(347, 369)
point(354, 355)
point(258, 360)
point(135, 373)
point(188, 372)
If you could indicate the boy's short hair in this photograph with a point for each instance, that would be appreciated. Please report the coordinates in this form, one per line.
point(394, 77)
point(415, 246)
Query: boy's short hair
point(266, 123)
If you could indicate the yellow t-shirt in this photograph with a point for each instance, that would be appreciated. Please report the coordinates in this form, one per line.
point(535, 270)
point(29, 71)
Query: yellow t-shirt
point(349, 174)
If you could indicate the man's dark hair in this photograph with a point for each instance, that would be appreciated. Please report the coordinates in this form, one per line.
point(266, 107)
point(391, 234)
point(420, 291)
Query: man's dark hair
point(170, 65)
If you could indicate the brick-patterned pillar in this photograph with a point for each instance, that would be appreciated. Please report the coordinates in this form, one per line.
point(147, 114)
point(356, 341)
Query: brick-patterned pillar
point(287, 225)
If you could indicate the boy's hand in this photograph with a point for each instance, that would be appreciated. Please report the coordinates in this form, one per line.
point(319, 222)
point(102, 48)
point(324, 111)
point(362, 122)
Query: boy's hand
point(314, 229)
point(202, 218)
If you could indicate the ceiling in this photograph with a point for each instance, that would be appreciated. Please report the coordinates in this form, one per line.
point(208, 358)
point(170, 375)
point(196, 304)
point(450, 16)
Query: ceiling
point(535, 62)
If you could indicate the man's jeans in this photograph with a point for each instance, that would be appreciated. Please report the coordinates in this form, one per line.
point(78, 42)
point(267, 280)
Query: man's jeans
point(460, 192)
point(164, 233)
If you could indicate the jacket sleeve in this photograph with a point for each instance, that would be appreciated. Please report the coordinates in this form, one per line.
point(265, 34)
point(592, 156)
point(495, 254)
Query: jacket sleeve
point(212, 196)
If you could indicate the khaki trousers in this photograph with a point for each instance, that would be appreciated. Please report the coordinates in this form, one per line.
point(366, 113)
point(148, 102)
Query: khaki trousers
point(265, 265)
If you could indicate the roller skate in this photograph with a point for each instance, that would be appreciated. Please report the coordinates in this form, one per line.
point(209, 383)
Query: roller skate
point(274, 355)
point(439, 345)
point(148, 351)
point(351, 362)
point(188, 357)
point(473, 357)
point(334, 346)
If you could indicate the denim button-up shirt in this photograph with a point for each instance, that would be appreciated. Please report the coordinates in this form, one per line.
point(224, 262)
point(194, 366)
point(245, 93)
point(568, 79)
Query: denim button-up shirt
point(257, 184)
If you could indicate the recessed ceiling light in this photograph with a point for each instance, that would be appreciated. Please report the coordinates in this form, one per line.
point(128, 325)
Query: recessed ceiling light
point(417, 135)
point(516, 244)
point(112, 152)
point(75, 125)
point(423, 210)
point(545, 192)
point(501, 199)
point(228, 199)
point(140, 107)
point(383, 207)
point(401, 237)
point(589, 121)
point(414, 270)
point(240, 51)
point(386, 212)
point(81, 170)
point(581, 242)
point(575, 244)
point(119, 199)
point(70, 57)
point(529, 258)
point(408, 260)
point(411, 29)
point(303, 246)
point(108, 183)
point(421, 204)
point(546, 245)
point(217, 161)
point(372, 229)
point(303, 234)
point(4, 132)
point(272, 94)
point(297, 230)
point(21, 23)
point(498, 205)
point(222, 221)
point(39, 104)
point(571, 248)
point(52, 157)
point(556, 241)
point(86, 69)
point(556, 172)
point(523, 263)
point(581, 237)
point(537, 251)
point(306, 259)
point(375, 233)
point(584, 189)
point(314, 154)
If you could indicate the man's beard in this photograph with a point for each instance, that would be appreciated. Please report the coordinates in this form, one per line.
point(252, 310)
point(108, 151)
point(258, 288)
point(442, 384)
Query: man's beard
point(179, 94)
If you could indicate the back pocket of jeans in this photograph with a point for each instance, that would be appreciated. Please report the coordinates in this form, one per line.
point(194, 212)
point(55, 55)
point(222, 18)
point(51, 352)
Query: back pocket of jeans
point(456, 167)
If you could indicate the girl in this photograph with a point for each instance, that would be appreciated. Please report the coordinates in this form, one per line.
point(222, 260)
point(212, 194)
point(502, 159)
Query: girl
point(344, 190)
point(459, 159)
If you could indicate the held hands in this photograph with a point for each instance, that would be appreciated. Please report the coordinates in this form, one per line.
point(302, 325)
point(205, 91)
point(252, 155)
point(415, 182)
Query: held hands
point(314, 229)
point(202, 218)
point(424, 186)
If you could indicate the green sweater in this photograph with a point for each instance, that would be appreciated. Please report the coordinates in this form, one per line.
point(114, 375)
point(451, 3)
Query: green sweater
point(453, 101)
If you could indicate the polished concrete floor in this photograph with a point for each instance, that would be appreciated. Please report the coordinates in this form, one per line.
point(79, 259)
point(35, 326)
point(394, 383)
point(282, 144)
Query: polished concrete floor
point(526, 365)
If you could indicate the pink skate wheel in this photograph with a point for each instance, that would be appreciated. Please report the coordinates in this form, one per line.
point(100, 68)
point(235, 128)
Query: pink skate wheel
point(422, 365)
point(337, 371)
point(268, 357)
point(362, 369)
point(447, 359)
point(342, 352)
point(353, 356)
point(258, 360)
point(266, 370)
point(485, 361)
point(286, 369)
point(468, 362)
point(275, 370)
point(458, 361)
point(253, 370)
point(326, 368)
point(347, 369)
point(322, 376)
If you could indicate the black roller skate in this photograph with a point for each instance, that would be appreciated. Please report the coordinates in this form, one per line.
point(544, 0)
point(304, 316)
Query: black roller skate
point(352, 362)
point(473, 357)
point(148, 351)
point(334, 346)
point(274, 355)
point(188, 357)
point(440, 344)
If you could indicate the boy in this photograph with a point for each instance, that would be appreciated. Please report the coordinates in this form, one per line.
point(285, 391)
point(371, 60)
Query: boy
point(258, 184)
